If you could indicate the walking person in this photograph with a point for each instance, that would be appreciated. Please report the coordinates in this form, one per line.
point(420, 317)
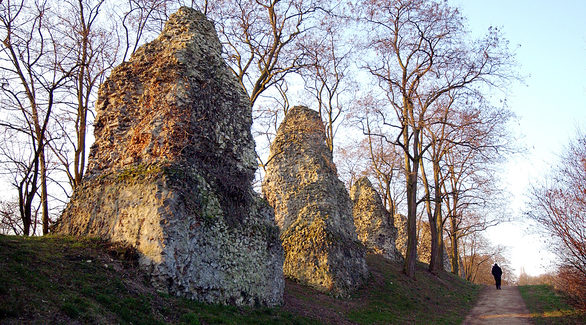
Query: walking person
point(497, 273)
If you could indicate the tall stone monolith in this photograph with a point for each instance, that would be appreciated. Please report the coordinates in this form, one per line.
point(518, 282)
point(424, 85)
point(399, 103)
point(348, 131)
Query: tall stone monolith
point(312, 207)
point(373, 222)
point(171, 172)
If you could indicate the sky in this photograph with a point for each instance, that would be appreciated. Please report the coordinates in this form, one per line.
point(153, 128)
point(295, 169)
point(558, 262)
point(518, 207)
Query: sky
point(550, 104)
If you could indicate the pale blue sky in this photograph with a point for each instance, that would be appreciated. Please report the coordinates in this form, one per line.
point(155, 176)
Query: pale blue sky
point(551, 104)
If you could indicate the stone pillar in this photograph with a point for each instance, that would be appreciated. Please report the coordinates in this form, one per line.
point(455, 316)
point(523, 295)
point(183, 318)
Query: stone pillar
point(373, 222)
point(312, 207)
point(171, 172)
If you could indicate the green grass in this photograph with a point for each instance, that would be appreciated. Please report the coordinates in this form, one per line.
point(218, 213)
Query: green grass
point(70, 280)
point(394, 298)
point(64, 280)
point(550, 307)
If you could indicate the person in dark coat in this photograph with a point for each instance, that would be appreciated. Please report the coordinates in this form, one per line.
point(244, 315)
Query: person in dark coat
point(497, 272)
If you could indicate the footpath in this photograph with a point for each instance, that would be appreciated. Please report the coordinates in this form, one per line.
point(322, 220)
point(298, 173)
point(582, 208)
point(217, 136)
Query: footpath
point(499, 307)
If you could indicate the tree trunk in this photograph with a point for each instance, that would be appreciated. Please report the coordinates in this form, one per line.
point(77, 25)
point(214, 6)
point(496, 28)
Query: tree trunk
point(434, 217)
point(25, 214)
point(44, 201)
point(454, 248)
point(430, 217)
point(436, 225)
point(411, 177)
point(439, 265)
point(411, 254)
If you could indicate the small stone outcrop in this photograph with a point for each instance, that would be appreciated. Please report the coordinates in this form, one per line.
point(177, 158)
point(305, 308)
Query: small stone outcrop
point(373, 222)
point(312, 207)
point(171, 172)
point(400, 222)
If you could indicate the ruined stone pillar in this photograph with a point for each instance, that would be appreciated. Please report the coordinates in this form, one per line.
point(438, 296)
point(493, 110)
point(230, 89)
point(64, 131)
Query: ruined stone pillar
point(312, 207)
point(373, 222)
point(171, 172)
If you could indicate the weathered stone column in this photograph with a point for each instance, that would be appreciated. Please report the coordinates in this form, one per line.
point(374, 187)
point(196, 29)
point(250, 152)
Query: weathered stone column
point(171, 172)
point(312, 207)
point(373, 222)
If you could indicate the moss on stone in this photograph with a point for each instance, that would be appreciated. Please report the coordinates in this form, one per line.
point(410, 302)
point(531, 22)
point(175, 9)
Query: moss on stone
point(138, 171)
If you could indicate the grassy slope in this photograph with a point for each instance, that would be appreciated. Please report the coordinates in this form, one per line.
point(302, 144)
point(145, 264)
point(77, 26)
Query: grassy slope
point(65, 280)
point(550, 307)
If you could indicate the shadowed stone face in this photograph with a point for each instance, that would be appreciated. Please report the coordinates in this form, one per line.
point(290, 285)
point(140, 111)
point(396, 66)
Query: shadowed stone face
point(171, 170)
point(373, 222)
point(312, 207)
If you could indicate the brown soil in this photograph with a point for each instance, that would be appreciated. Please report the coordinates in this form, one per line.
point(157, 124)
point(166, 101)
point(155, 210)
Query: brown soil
point(499, 307)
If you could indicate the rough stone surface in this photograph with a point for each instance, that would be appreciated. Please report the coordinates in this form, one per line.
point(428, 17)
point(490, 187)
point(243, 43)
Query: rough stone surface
point(373, 222)
point(423, 241)
point(171, 172)
point(401, 240)
point(312, 207)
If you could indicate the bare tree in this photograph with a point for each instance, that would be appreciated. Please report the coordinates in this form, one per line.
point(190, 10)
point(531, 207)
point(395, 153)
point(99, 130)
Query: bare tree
point(476, 135)
point(31, 79)
point(438, 133)
point(142, 20)
point(478, 256)
point(351, 162)
point(261, 39)
point(262, 44)
point(92, 54)
point(472, 196)
point(10, 221)
point(326, 76)
point(385, 164)
point(559, 206)
point(419, 55)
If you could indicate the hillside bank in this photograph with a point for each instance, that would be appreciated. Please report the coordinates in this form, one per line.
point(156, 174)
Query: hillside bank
point(83, 280)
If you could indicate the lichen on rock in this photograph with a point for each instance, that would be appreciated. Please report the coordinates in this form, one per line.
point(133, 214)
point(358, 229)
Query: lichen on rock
point(171, 172)
point(312, 207)
point(373, 222)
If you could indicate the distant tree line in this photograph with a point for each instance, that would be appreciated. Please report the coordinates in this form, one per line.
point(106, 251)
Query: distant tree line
point(404, 90)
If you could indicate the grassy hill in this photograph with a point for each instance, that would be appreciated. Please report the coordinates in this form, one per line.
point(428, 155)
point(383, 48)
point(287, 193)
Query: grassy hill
point(71, 280)
point(548, 306)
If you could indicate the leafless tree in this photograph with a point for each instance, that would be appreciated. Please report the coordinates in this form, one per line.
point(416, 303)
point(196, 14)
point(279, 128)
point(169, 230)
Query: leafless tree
point(559, 207)
point(10, 221)
point(385, 165)
point(472, 196)
point(478, 256)
point(437, 134)
point(261, 39)
point(420, 54)
point(92, 52)
point(31, 59)
point(351, 162)
point(326, 75)
point(262, 44)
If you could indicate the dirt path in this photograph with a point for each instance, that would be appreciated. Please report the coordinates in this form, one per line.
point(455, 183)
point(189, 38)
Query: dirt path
point(499, 307)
